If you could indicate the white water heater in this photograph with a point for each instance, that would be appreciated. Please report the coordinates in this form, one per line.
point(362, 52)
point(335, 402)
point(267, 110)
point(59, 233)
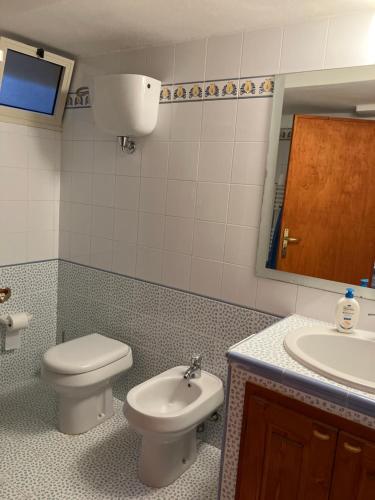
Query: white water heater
point(126, 106)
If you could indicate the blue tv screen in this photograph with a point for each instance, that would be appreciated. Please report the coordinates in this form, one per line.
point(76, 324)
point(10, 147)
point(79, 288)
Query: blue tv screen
point(30, 83)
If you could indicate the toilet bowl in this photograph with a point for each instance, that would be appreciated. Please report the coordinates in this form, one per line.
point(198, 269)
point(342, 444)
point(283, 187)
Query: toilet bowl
point(81, 372)
point(166, 411)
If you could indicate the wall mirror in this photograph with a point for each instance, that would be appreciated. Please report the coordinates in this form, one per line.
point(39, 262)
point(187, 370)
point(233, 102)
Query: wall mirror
point(318, 215)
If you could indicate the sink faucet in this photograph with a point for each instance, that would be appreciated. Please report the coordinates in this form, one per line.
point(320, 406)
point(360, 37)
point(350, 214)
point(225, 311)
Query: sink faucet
point(194, 370)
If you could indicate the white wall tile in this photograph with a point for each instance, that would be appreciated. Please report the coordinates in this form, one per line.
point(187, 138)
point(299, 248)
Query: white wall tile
point(13, 216)
point(176, 270)
point(223, 56)
point(127, 191)
point(212, 201)
point(13, 249)
point(82, 125)
point(239, 285)
point(41, 153)
point(261, 52)
point(103, 190)
point(41, 245)
point(149, 264)
point(209, 240)
point(101, 251)
point(190, 59)
point(253, 119)
point(183, 161)
point(127, 164)
point(104, 157)
point(186, 121)
point(155, 159)
point(215, 161)
point(151, 230)
point(161, 63)
point(317, 304)
point(306, 56)
point(41, 215)
point(206, 276)
point(13, 150)
point(153, 194)
point(351, 40)
point(126, 226)
point(181, 197)
point(80, 218)
point(219, 120)
point(241, 245)
point(80, 188)
point(82, 156)
point(42, 184)
point(102, 222)
point(276, 297)
point(124, 258)
point(179, 234)
point(245, 205)
point(163, 126)
point(14, 183)
point(80, 246)
point(249, 163)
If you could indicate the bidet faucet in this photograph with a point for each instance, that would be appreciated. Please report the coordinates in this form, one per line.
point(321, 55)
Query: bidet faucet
point(194, 370)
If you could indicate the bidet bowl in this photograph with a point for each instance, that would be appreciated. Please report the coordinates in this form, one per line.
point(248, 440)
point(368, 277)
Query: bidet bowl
point(168, 403)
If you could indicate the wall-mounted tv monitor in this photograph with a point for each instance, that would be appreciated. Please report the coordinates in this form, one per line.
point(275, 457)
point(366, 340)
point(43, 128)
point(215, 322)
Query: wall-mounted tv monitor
point(33, 84)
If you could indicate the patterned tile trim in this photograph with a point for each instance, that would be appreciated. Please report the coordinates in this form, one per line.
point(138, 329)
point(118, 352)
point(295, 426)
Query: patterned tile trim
point(239, 377)
point(228, 88)
point(28, 263)
point(79, 98)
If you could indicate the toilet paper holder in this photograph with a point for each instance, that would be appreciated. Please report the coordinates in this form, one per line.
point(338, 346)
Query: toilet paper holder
point(5, 294)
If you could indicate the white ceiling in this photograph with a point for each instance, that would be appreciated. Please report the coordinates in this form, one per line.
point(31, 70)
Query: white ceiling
point(88, 27)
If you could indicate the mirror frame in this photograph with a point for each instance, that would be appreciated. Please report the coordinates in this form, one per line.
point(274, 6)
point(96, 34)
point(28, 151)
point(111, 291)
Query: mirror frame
point(298, 79)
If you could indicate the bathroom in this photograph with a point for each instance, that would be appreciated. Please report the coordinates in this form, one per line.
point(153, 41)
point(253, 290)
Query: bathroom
point(173, 257)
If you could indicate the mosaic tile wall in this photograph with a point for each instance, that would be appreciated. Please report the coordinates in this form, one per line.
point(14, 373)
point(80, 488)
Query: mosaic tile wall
point(34, 289)
point(163, 326)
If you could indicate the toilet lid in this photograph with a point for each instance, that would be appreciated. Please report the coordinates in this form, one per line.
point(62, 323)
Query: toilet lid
point(84, 354)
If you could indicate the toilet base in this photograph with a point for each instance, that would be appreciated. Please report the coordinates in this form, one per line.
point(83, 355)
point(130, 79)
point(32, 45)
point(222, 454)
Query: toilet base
point(81, 413)
point(163, 460)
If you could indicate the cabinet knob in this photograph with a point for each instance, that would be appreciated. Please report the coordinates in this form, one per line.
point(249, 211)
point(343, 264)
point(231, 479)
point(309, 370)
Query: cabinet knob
point(352, 449)
point(321, 436)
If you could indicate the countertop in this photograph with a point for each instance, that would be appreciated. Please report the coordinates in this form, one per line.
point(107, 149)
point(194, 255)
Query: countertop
point(265, 355)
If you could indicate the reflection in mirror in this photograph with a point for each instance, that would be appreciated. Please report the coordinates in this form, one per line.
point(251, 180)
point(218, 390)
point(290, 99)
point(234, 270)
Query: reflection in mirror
point(322, 220)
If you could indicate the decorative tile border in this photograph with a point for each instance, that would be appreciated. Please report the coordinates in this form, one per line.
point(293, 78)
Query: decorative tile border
point(79, 98)
point(228, 88)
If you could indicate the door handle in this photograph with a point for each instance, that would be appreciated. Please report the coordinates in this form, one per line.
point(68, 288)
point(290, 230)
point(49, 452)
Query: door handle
point(286, 240)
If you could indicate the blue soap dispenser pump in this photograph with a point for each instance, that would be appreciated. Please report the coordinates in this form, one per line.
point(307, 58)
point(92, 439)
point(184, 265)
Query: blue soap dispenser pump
point(347, 312)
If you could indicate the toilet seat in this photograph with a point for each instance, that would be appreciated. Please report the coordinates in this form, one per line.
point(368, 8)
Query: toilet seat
point(84, 354)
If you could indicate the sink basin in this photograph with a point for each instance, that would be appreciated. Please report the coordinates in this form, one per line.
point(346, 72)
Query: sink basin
point(346, 358)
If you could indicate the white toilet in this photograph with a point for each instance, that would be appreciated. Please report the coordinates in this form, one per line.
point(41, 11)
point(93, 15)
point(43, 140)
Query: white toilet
point(166, 411)
point(82, 371)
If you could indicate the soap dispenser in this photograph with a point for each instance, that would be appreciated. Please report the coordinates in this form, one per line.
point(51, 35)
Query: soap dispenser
point(347, 312)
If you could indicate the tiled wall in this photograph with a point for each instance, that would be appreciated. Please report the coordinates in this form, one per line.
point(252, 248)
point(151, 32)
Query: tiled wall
point(34, 290)
point(184, 210)
point(29, 193)
point(164, 327)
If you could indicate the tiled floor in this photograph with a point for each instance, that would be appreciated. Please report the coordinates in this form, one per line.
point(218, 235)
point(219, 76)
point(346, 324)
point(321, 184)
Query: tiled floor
point(37, 462)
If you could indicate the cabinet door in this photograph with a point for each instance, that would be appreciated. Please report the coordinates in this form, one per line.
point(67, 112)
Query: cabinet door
point(354, 474)
point(284, 455)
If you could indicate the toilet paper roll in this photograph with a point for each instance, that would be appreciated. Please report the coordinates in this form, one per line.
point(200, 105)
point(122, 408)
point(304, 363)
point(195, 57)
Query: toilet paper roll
point(18, 321)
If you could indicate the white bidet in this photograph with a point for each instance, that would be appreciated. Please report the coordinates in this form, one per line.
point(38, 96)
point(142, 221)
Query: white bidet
point(166, 411)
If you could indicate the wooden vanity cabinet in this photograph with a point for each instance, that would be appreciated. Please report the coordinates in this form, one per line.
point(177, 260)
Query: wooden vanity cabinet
point(292, 451)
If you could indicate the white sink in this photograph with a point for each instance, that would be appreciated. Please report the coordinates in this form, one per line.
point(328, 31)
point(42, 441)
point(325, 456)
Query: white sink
point(346, 358)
